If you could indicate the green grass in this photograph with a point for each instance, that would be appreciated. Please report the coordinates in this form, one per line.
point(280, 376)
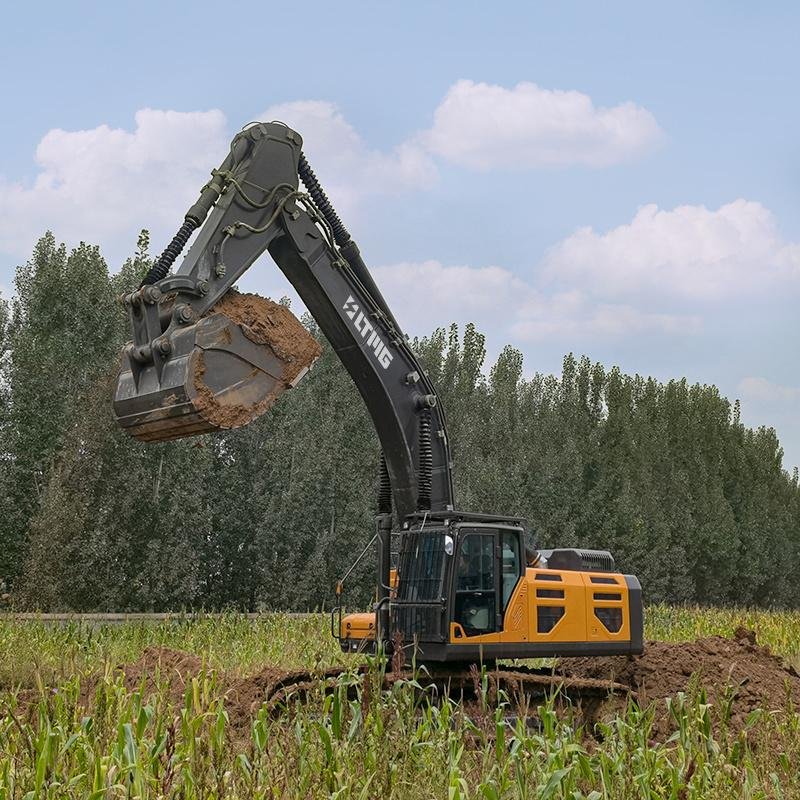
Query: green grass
point(358, 742)
point(232, 642)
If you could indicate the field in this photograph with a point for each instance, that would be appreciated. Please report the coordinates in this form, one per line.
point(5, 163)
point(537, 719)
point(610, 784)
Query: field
point(174, 710)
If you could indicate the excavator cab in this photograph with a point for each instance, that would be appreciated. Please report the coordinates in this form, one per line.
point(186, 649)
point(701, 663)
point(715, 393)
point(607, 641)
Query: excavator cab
point(465, 590)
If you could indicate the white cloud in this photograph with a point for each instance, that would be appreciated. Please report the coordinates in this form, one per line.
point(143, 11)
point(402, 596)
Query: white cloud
point(484, 126)
point(630, 281)
point(687, 252)
point(104, 184)
point(428, 290)
point(765, 391)
point(347, 168)
point(509, 307)
point(659, 274)
point(575, 315)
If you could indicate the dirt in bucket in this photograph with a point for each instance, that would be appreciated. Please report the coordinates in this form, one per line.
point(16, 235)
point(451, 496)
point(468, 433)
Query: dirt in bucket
point(267, 324)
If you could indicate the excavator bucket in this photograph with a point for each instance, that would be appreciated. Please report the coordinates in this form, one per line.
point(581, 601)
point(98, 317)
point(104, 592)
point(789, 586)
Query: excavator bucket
point(222, 372)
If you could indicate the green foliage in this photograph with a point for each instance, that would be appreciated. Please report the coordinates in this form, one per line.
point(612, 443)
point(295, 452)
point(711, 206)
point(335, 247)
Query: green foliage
point(60, 340)
point(662, 474)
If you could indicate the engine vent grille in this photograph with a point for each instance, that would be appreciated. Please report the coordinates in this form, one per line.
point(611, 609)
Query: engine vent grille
point(581, 560)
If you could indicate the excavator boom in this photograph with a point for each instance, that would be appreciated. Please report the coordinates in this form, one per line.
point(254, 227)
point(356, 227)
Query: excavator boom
point(167, 374)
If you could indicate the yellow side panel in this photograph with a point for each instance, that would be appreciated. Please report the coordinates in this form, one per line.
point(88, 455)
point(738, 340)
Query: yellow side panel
point(585, 595)
point(601, 596)
point(570, 611)
point(486, 638)
point(572, 625)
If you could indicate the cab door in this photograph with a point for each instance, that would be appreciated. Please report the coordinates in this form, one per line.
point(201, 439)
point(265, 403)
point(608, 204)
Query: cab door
point(476, 600)
point(488, 569)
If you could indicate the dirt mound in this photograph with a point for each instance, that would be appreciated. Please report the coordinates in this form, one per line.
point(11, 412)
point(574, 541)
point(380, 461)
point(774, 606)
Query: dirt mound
point(245, 696)
point(160, 667)
point(157, 667)
point(162, 662)
point(757, 677)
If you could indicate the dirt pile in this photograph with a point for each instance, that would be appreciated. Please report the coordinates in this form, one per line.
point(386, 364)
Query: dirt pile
point(758, 678)
point(156, 667)
point(162, 667)
point(245, 696)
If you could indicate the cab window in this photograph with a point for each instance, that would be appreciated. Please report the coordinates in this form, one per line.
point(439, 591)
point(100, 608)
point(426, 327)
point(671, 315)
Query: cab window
point(476, 584)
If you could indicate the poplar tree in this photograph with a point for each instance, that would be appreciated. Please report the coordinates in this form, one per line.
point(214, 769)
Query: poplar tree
point(61, 339)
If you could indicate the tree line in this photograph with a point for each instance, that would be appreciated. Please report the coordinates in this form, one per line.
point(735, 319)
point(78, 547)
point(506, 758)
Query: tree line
point(664, 475)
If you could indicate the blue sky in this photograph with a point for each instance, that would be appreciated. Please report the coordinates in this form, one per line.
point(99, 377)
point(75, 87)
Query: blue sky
point(617, 180)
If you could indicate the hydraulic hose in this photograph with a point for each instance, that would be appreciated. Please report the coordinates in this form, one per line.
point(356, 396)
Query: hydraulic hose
point(384, 488)
point(349, 249)
point(161, 268)
point(313, 187)
point(196, 215)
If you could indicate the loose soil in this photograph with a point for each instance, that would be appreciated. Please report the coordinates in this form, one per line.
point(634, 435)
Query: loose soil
point(757, 678)
point(157, 667)
point(267, 324)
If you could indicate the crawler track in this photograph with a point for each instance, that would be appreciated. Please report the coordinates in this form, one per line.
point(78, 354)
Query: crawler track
point(521, 685)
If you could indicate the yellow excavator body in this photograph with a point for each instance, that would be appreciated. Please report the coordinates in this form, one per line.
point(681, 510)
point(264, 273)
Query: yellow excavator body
point(550, 612)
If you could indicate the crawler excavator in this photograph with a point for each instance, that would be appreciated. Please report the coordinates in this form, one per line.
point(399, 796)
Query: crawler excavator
point(464, 586)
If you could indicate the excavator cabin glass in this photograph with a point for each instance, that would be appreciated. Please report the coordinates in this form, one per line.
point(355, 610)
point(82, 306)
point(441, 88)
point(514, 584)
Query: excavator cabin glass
point(468, 570)
point(487, 570)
